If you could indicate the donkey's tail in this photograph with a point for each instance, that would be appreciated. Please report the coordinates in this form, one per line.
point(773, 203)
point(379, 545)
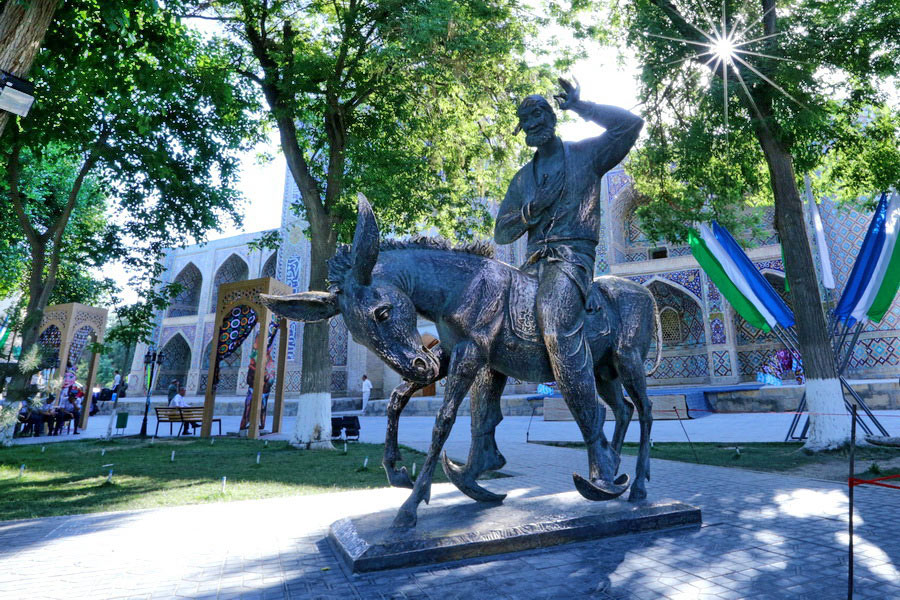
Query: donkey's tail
point(659, 338)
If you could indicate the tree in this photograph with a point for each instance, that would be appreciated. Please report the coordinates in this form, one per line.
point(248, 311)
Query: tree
point(411, 103)
point(136, 112)
point(23, 24)
point(729, 130)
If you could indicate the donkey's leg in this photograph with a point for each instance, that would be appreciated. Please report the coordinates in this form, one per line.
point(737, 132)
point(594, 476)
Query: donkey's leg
point(631, 370)
point(483, 453)
point(611, 392)
point(560, 314)
point(399, 398)
point(465, 362)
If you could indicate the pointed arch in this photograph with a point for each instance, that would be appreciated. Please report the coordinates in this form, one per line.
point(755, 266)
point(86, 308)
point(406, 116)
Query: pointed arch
point(187, 302)
point(270, 266)
point(176, 362)
point(681, 316)
point(233, 269)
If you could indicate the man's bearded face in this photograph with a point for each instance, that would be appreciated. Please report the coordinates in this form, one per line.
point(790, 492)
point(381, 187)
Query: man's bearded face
point(538, 124)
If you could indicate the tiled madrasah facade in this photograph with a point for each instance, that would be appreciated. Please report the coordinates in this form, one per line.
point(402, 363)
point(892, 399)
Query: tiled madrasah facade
point(704, 341)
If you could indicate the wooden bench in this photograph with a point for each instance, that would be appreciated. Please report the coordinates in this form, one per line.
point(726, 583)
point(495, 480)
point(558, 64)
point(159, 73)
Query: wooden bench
point(184, 415)
point(351, 424)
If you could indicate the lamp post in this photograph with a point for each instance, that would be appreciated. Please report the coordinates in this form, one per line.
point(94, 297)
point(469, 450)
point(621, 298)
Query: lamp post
point(151, 359)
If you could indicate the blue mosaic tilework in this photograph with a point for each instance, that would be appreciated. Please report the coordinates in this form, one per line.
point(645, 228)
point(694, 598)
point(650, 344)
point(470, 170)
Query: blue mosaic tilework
point(616, 181)
point(691, 314)
point(689, 278)
point(680, 251)
point(721, 363)
point(337, 342)
point(339, 381)
point(876, 352)
point(717, 330)
point(292, 278)
point(773, 265)
point(680, 367)
point(636, 256)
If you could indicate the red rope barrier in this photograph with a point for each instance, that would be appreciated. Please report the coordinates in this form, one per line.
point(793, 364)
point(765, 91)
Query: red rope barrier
point(853, 481)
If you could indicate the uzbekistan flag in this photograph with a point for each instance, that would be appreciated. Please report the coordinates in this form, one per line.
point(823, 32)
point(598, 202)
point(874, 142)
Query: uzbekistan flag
point(883, 282)
point(870, 271)
point(720, 268)
point(761, 287)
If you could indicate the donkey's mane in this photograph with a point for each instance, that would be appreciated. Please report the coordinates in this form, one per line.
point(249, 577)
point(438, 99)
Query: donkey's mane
point(340, 264)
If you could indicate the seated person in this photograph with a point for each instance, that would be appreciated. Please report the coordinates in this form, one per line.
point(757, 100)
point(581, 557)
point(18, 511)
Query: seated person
point(71, 409)
point(44, 413)
point(178, 401)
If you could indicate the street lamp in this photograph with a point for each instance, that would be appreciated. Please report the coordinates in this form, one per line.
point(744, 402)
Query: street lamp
point(151, 359)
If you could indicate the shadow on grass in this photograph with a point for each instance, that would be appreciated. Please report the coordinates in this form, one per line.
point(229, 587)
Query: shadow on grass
point(71, 477)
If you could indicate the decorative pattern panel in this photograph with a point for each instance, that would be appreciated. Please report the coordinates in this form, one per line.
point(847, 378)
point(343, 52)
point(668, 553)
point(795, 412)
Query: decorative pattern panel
point(292, 278)
point(876, 352)
point(717, 329)
point(49, 340)
point(671, 300)
point(721, 363)
point(337, 342)
point(339, 381)
point(79, 341)
point(680, 367)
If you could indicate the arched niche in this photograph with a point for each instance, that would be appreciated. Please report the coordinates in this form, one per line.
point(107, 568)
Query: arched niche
point(176, 362)
point(187, 302)
point(269, 267)
point(681, 316)
point(232, 270)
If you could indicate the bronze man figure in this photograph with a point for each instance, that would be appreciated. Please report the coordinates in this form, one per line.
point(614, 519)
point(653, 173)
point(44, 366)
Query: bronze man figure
point(555, 198)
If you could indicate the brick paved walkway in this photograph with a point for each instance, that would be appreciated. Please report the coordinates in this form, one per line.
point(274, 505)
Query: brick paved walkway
point(764, 536)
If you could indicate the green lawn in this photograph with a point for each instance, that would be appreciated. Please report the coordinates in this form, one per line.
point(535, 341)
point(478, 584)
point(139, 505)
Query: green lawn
point(71, 477)
point(758, 456)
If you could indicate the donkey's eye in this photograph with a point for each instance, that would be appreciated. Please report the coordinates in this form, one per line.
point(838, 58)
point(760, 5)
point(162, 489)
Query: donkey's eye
point(382, 313)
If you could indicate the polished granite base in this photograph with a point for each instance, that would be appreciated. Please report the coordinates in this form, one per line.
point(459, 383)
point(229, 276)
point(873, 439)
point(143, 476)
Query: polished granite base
point(467, 529)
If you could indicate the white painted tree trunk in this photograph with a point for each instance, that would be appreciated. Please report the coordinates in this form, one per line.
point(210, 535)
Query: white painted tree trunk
point(312, 429)
point(831, 427)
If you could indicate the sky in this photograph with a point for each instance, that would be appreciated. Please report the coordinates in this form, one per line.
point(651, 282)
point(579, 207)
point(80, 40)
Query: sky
point(602, 80)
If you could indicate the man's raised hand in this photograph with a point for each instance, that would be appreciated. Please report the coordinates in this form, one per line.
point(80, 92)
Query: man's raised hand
point(570, 94)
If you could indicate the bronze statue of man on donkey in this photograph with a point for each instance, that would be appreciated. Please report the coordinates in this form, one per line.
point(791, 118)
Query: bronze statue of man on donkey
point(549, 320)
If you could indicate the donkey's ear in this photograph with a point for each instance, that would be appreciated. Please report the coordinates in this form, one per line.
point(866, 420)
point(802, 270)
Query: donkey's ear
point(364, 252)
point(309, 307)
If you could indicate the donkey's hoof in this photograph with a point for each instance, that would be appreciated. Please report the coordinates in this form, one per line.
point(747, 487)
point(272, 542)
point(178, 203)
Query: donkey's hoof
point(601, 490)
point(637, 494)
point(458, 477)
point(399, 477)
point(405, 519)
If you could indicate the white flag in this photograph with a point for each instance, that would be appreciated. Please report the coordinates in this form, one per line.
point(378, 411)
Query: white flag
point(824, 256)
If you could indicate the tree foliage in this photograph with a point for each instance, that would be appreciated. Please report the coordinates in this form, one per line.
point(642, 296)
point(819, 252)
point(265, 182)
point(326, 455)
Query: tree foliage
point(132, 147)
point(832, 112)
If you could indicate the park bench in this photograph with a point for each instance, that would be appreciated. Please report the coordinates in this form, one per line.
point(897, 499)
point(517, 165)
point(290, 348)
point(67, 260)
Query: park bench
point(351, 424)
point(183, 415)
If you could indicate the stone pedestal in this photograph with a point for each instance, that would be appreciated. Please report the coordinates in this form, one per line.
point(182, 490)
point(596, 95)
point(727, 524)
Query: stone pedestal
point(467, 529)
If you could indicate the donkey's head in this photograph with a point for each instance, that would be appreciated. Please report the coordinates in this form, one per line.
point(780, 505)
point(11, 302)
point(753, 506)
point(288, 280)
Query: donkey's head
point(378, 314)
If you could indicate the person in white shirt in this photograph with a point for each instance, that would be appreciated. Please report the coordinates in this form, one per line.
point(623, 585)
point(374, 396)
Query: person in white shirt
point(116, 381)
point(366, 392)
point(178, 399)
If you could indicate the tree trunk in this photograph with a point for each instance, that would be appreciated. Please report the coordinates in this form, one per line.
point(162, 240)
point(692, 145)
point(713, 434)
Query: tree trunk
point(313, 425)
point(22, 29)
point(829, 424)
